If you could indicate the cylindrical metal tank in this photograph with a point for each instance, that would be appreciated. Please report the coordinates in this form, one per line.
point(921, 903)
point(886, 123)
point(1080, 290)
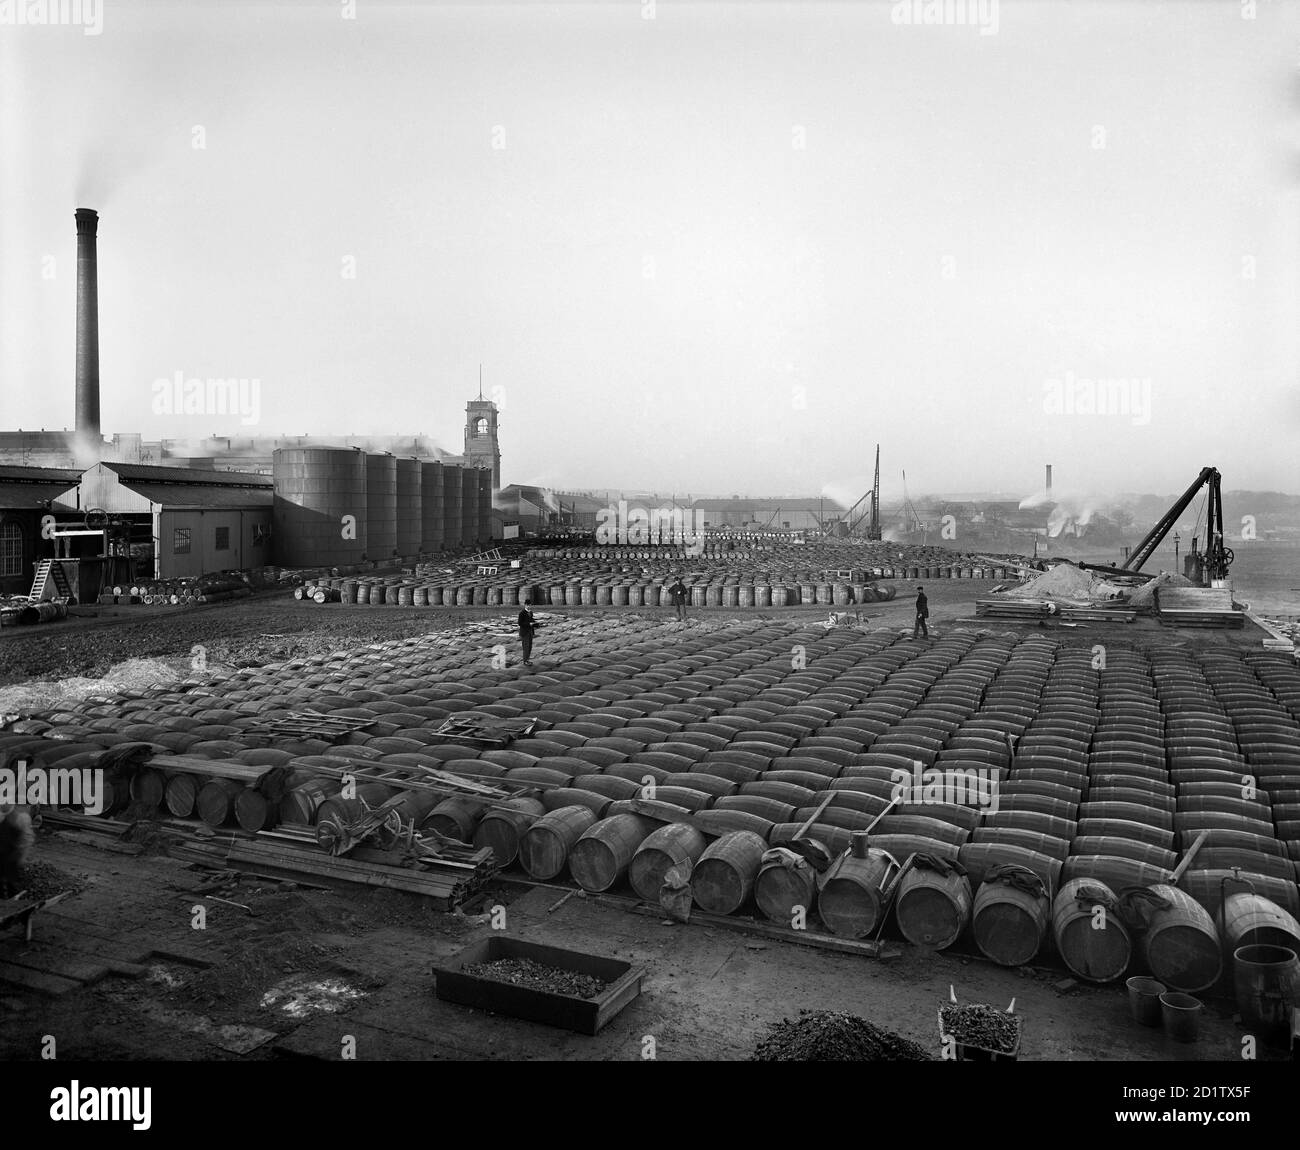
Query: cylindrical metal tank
point(431, 507)
point(451, 501)
point(381, 507)
point(409, 507)
point(469, 507)
point(319, 517)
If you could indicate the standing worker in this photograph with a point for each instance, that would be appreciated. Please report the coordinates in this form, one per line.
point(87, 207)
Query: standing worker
point(677, 593)
point(922, 614)
point(527, 625)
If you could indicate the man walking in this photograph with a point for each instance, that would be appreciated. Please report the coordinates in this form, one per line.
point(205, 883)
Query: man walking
point(922, 614)
point(677, 594)
point(527, 625)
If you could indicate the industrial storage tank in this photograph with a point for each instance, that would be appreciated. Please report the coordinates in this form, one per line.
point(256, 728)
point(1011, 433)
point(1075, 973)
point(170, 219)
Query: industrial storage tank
point(484, 504)
point(409, 523)
point(381, 507)
point(451, 503)
point(431, 507)
point(469, 508)
point(319, 517)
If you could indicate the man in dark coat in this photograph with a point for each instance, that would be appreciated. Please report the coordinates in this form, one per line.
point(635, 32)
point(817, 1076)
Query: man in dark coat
point(527, 625)
point(677, 594)
point(922, 614)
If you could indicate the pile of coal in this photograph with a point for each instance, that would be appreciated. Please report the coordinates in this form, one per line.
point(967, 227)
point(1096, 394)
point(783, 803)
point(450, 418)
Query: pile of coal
point(538, 976)
point(982, 1026)
point(834, 1036)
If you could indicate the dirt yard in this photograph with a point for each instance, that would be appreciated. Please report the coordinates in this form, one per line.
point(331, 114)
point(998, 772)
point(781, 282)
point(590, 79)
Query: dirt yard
point(127, 967)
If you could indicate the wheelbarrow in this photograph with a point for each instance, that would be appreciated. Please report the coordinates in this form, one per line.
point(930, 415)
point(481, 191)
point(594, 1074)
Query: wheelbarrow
point(992, 1038)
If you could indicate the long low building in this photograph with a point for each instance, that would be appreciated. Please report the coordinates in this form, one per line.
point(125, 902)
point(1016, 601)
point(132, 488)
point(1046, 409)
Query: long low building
point(121, 523)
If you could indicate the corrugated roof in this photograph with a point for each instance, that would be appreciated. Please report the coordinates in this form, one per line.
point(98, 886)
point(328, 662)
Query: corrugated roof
point(147, 473)
point(30, 496)
point(14, 474)
point(194, 495)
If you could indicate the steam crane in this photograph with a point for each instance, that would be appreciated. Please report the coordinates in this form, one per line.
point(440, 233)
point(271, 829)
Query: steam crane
point(1201, 567)
point(873, 531)
point(873, 521)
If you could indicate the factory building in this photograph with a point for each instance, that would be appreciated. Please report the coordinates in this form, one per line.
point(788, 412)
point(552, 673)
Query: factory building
point(27, 495)
point(185, 507)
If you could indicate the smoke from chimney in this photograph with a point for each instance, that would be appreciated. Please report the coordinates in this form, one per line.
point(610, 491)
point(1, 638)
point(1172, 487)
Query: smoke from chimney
point(87, 424)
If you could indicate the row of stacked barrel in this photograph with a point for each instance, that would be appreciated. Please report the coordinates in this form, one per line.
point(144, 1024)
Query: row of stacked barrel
point(510, 591)
point(342, 508)
point(752, 727)
point(179, 592)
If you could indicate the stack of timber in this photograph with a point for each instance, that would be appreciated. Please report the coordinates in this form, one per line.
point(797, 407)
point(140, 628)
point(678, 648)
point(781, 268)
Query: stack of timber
point(1032, 610)
point(1198, 607)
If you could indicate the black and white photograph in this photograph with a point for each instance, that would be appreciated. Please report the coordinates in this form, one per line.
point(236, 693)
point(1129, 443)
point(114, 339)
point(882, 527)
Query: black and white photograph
point(648, 531)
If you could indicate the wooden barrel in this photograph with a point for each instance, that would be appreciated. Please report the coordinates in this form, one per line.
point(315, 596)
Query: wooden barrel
point(557, 797)
point(456, 818)
point(671, 844)
point(850, 902)
point(1010, 922)
point(1180, 944)
point(1247, 919)
point(180, 795)
point(254, 812)
point(720, 822)
point(148, 786)
point(216, 801)
point(980, 858)
point(782, 891)
point(726, 871)
point(501, 828)
point(1096, 947)
point(932, 908)
point(299, 806)
point(544, 847)
point(1266, 979)
point(601, 857)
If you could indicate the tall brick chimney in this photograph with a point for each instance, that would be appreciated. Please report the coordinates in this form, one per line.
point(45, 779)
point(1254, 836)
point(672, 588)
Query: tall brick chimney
point(87, 424)
point(1049, 481)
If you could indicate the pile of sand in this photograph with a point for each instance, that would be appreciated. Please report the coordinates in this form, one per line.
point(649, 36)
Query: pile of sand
point(1067, 582)
point(1144, 597)
point(42, 695)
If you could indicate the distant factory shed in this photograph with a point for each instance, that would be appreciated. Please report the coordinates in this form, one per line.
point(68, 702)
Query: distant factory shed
point(796, 513)
point(200, 521)
point(26, 495)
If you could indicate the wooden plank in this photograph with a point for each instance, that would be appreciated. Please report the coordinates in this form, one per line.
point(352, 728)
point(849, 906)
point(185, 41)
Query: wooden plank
point(64, 965)
point(49, 985)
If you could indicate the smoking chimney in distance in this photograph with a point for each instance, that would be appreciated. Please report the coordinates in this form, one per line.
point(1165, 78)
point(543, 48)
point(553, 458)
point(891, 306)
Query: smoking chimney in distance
point(87, 423)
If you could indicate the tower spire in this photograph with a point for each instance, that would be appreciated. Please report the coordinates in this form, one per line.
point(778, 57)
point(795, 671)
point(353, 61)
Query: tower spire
point(480, 381)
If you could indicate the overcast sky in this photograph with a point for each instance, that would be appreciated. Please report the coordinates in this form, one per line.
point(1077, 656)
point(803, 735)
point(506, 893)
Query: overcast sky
point(727, 248)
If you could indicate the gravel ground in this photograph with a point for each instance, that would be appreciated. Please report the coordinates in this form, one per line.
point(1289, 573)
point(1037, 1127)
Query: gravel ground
point(40, 880)
point(537, 976)
point(982, 1026)
point(833, 1036)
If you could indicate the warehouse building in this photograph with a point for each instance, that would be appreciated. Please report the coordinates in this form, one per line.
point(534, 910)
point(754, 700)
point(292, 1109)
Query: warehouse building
point(27, 495)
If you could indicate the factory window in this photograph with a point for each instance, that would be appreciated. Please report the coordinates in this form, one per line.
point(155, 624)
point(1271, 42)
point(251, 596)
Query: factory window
point(11, 549)
point(223, 539)
point(181, 541)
